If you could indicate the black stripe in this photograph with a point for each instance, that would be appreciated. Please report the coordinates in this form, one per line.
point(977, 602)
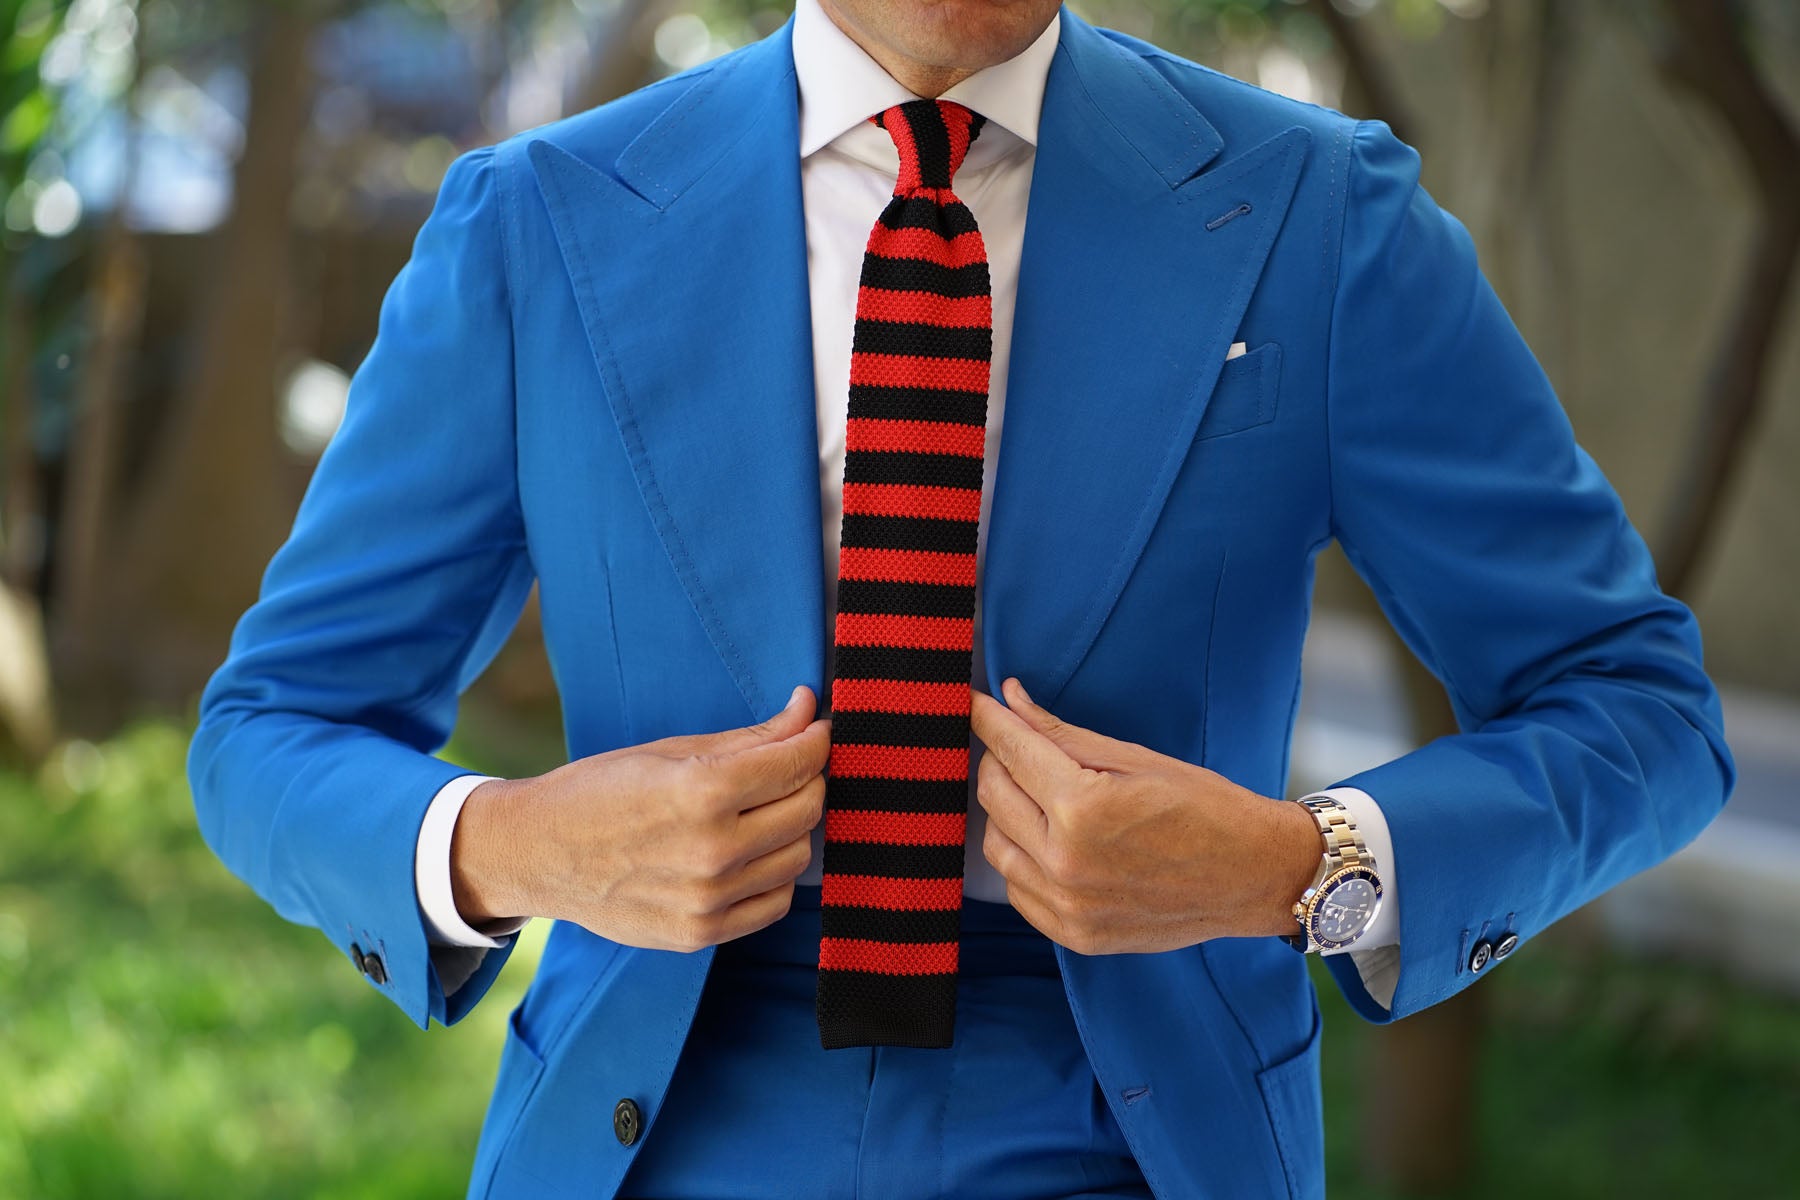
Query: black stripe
point(864, 1008)
point(921, 730)
point(865, 792)
point(895, 862)
point(918, 404)
point(925, 341)
point(917, 275)
point(890, 925)
point(899, 662)
point(931, 141)
point(912, 468)
point(920, 212)
point(911, 533)
point(913, 599)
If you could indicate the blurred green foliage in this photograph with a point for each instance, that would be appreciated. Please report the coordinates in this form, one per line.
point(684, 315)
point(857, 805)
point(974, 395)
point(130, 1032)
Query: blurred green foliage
point(26, 27)
point(164, 1034)
point(1604, 1075)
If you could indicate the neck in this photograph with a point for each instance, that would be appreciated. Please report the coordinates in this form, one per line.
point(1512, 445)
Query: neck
point(923, 79)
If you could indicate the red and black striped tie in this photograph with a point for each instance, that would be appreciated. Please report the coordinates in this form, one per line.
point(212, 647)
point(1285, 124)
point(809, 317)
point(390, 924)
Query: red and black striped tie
point(897, 784)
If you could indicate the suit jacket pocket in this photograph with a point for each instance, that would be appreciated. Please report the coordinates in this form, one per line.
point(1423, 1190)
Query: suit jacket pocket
point(1291, 1092)
point(521, 1065)
point(1245, 395)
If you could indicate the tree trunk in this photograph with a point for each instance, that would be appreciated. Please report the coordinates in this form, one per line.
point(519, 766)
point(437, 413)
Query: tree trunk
point(213, 508)
point(27, 719)
point(80, 622)
point(21, 507)
point(1370, 88)
point(624, 62)
point(1707, 56)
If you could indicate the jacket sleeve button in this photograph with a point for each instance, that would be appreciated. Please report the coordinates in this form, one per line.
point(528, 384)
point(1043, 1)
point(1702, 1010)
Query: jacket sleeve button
point(375, 969)
point(1507, 945)
point(1481, 955)
point(628, 1121)
point(356, 956)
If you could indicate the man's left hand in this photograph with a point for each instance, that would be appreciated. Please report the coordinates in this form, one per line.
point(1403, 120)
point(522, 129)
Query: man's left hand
point(1108, 847)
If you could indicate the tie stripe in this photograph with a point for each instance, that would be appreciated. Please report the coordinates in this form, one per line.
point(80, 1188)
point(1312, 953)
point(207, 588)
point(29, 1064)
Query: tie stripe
point(896, 809)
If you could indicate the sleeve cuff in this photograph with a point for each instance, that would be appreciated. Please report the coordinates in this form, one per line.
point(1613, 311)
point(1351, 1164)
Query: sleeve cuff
point(1377, 952)
point(431, 876)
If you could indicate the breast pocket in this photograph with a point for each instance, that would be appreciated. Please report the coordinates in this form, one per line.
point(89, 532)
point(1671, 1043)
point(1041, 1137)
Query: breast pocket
point(1245, 394)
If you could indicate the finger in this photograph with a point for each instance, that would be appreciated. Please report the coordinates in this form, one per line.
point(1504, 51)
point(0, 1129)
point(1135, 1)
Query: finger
point(1010, 860)
point(1085, 746)
point(1039, 765)
point(775, 824)
point(792, 718)
point(1009, 806)
point(784, 864)
point(757, 912)
point(773, 769)
point(1028, 904)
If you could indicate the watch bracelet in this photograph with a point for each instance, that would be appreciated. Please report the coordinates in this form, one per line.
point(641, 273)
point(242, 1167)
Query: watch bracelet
point(1343, 847)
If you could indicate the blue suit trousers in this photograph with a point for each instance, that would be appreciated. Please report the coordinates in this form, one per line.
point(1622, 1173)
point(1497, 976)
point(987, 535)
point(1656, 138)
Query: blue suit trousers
point(757, 1110)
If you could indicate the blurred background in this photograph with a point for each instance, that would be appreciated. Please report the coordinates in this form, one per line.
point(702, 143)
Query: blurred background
point(201, 205)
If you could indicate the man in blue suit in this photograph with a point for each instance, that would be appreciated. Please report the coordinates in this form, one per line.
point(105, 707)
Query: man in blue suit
point(1233, 330)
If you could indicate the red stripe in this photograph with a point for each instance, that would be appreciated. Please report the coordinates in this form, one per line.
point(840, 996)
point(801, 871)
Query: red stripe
point(906, 566)
point(896, 828)
point(897, 895)
point(887, 958)
point(927, 244)
point(912, 500)
point(914, 633)
point(898, 695)
point(899, 762)
point(926, 308)
point(924, 437)
point(912, 370)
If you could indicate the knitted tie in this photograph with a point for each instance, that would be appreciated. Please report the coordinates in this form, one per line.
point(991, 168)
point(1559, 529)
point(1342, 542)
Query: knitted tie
point(896, 799)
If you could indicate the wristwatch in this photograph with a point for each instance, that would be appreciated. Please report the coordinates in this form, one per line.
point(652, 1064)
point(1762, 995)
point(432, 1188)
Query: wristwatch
point(1346, 893)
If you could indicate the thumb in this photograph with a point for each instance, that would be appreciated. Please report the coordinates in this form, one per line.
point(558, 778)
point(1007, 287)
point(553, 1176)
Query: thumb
point(794, 716)
point(792, 719)
point(1090, 749)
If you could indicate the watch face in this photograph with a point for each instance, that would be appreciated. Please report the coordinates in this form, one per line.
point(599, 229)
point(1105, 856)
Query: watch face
point(1345, 906)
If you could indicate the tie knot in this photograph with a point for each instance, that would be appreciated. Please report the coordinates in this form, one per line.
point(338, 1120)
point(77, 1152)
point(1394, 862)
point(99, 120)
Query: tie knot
point(932, 137)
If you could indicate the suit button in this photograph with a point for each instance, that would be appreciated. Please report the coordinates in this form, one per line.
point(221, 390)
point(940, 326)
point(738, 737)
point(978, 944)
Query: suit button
point(356, 956)
point(1507, 945)
point(1483, 953)
point(627, 1121)
point(375, 969)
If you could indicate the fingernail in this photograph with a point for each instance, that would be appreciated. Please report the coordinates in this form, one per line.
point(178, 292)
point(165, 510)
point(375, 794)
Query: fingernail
point(794, 696)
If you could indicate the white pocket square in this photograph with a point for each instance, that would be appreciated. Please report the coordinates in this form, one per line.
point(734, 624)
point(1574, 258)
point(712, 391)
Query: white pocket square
point(1238, 350)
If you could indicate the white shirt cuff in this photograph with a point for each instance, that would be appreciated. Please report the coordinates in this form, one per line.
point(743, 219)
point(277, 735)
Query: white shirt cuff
point(1377, 952)
point(431, 872)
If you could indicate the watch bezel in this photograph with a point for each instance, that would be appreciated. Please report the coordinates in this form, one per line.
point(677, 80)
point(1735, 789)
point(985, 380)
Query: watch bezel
point(1315, 900)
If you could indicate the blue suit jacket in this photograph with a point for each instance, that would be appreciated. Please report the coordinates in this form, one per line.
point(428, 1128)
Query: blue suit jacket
point(596, 373)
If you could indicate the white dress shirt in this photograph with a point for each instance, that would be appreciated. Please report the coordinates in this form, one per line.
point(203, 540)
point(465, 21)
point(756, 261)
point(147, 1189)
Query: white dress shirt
point(847, 171)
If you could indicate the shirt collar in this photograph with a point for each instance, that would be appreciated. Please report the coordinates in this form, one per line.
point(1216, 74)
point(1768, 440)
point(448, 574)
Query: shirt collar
point(841, 86)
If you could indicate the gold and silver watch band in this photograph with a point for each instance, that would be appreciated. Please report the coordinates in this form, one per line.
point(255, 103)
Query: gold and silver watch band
point(1345, 855)
point(1344, 846)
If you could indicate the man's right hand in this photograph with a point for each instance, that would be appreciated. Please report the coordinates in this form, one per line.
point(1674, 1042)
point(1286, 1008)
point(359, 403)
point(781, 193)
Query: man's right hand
point(677, 844)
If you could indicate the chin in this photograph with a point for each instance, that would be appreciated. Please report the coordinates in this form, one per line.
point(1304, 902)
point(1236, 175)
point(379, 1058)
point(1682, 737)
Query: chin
point(962, 34)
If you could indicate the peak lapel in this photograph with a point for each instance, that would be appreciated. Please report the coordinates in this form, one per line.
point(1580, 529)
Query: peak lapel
point(1130, 292)
point(688, 260)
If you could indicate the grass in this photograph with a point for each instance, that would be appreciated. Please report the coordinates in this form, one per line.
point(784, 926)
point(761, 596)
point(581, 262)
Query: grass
point(164, 1034)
